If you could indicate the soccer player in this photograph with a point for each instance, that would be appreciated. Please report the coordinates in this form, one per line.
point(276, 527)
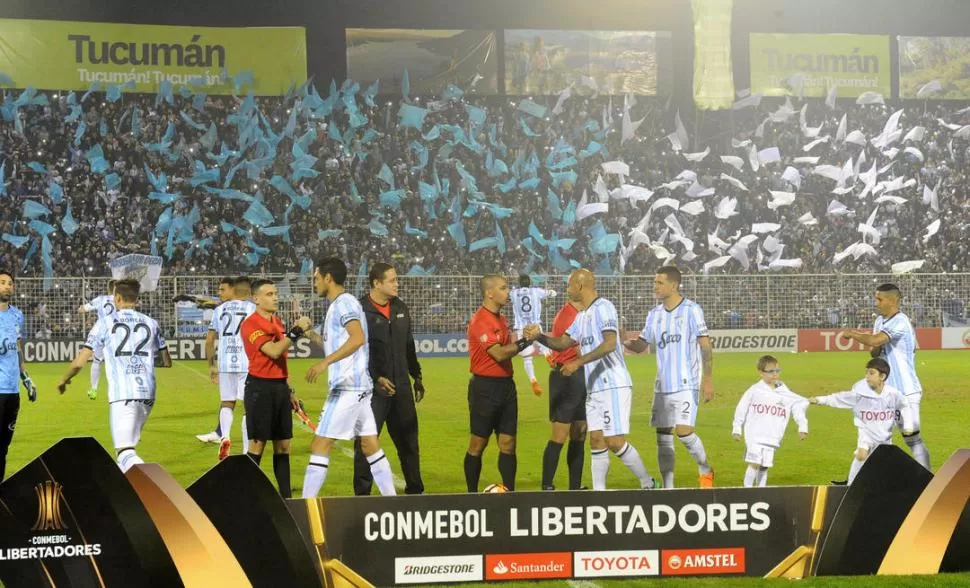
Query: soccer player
point(677, 330)
point(347, 413)
point(268, 398)
point(609, 388)
point(763, 412)
point(104, 305)
point(233, 365)
point(12, 366)
point(393, 362)
point(493, 404)
point(527, 310)
point(876, 408)
point(567, 407)
point(893, 339)
point(131, 344)
point(225, 293)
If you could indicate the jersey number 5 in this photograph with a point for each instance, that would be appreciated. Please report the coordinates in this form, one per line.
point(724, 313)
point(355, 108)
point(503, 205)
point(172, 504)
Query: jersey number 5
point(122, 350)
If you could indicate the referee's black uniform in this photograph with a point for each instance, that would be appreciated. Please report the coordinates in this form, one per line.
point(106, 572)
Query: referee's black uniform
point(392, 356)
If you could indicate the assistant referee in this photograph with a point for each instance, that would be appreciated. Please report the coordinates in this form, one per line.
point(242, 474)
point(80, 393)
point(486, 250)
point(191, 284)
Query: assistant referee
point(268, 398)
point(493, 404)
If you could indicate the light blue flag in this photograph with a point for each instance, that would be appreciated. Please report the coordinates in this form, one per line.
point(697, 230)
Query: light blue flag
point(529, 246)
point(377, 228)
point(558, 178)
point(74, 115)
point(3, 178)
point(243, 78)
point(605, 244)
point(531, 108)
point(163, 197)
point(499, 238)
point(34, 209)
point(37, 167)
point(467, 180)
point(357, 120)
point(231, 228)
point(406, 84)
point(275, 231)
point(392, 198)
point(329, 234)
point(498, 168)
point(371, 92)
point(82, 127)
point(428, 192)
point(68, 224)
point(164, 93)
point(257, 214)
point(284, 187)
point(476, 115)
point(103, 128)
point(534, 232)
point(135, 122)
point(433, 134)
point(164, 222)
point(418, 270)
point(56, 193)
point(203, 175)
point(208, 140)
point(354, 194)
point(411, 116)
point(452, 92)
point(188, 120)
point(159, 182)
point(553, 205)
point(569, 215)
point(43, 229)
point(198, 101)
point(96, 160)
point(483, 244)
point(422, 152)
point(507, 186)
point(591, 150)
point(386, 176)
point(409, 230)
point(562, 164)
point(457, 232)
point(16, 240)
point(114, 93)
point(370, 135)
point(6, 80)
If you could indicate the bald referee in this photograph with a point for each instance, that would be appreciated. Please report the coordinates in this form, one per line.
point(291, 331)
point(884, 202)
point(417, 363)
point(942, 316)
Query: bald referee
point(493, 405)
point(268, 398)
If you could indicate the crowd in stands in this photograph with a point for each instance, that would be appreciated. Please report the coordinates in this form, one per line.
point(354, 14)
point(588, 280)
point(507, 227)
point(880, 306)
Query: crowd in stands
point(347, 173)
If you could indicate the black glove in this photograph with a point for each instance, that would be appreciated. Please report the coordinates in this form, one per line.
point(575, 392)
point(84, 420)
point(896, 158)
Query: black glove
point(294, 334)
point(418, 390)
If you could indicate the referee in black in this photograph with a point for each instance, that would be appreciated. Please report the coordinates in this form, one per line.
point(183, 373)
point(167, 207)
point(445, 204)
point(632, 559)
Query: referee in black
point(393, 362)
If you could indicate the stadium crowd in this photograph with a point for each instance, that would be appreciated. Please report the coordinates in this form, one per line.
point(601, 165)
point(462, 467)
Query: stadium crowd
point(327, 182)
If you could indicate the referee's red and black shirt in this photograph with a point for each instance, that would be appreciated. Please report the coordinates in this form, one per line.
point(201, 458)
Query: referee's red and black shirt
point(256, 331)
point(486, 329)
point(564, 319)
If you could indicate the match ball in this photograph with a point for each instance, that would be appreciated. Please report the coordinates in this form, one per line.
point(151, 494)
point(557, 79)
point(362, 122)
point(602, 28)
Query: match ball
point(495, 489)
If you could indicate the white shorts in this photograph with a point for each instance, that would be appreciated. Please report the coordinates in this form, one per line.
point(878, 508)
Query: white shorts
point(670, 410)
point(347, 415)
point(609, 411)
point(232, 386)
point(127, 417)
point(913, 402)
point(760, 455)
point(869, 443)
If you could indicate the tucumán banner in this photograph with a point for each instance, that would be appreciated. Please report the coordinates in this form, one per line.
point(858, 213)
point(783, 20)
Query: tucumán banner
point(789, 64)
point(67, 55)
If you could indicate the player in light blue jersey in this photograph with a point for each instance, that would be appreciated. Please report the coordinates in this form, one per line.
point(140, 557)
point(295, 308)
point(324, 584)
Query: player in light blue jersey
point(894, 339)
point(609, 388)
point(132, 345)
point(678, 332)
point(347, 414)
point(12, 369)
point(527, 310)
point(232, 367)
point(103, 305)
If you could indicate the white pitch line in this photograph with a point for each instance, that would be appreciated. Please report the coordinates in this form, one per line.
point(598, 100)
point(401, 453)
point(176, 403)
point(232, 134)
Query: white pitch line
point(582, 584)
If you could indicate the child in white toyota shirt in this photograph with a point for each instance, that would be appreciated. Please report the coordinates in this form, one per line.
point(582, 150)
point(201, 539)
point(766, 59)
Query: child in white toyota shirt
point(876, 407)
point(763, 412)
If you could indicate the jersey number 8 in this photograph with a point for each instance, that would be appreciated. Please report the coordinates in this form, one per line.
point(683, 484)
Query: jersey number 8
point(526, 304)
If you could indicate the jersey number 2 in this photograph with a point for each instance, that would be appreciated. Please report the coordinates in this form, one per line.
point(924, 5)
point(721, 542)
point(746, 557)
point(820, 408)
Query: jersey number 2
point(226, 318)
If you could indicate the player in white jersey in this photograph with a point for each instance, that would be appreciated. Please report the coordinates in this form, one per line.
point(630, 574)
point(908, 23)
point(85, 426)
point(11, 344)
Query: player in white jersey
point(233, 364)
point(132, 344)
point(225, 294)
point(104, 306)
point(678, 332)
point(527, 310)
point(876, 408)
point(894, 339)
point(763, 413)
point(347, 413)
point(609, 388)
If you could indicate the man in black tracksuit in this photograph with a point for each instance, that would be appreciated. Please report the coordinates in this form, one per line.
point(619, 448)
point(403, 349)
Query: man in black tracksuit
point(393, 362)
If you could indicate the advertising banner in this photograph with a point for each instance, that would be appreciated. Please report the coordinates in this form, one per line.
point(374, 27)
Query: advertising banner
point(755, 340)
point(834, 340)
point(432, 59)
point(934, 67)
point(533, 536)
point(539, 61)
point(783, 64)
point(956, 338)
point(66, 55)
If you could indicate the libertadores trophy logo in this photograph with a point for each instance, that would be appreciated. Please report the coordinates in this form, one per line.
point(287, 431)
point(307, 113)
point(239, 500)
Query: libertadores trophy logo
point(50, 494)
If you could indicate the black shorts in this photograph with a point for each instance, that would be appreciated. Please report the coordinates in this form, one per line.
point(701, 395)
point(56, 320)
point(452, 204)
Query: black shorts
point(493, 406)
point(9, 409)
point(269, 413)
point(567, 396)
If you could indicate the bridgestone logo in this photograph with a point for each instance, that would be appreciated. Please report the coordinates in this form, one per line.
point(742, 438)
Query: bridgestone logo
point(410, 570)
